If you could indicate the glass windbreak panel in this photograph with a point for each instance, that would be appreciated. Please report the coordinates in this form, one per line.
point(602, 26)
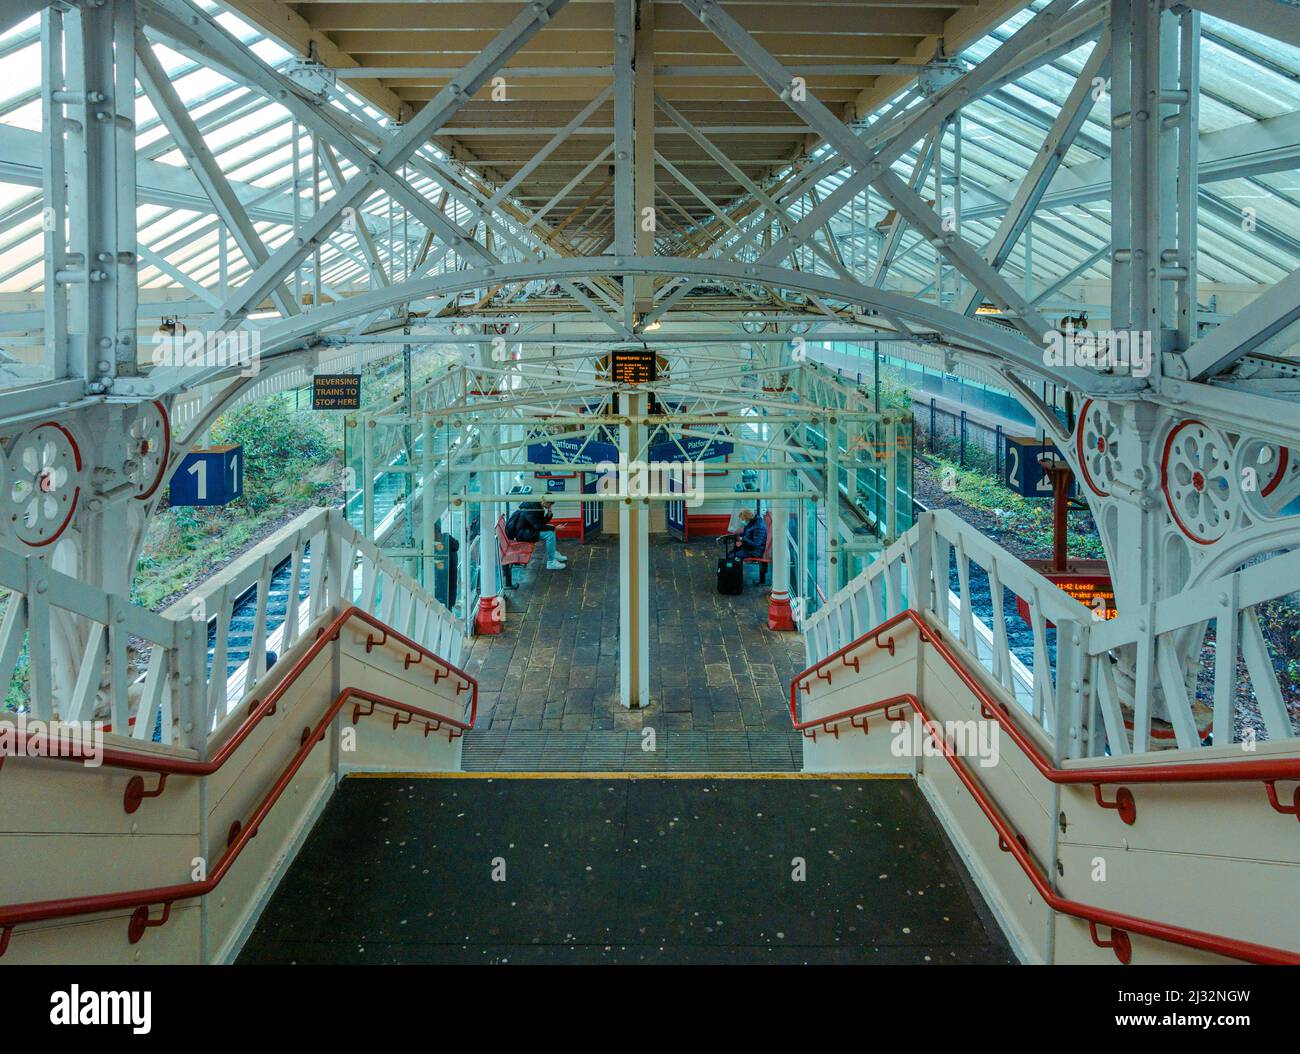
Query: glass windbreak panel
point(388, 460)
point(811, 539)
point(455, 452)
point(452, 527)
point(802, 514)
point(904, 466)
point(352, 467)
point(876, 478)
point(855, 562)
point(792, 544)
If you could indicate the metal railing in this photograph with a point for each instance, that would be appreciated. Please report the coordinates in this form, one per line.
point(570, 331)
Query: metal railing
point(188, 688)
point(847, 661)
point(1117, 686)
point(258, 710)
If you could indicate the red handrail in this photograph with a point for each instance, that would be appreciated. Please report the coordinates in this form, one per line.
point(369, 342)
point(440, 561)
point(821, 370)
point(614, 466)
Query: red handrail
point(240, 833)
point(1010, 841)
point(1262, 769)
point(164, 765)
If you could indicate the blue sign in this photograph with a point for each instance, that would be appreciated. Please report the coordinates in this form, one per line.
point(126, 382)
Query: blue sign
point(593, 512)
point(554, 485)
point(690, 448)
point(1021, 471)
point(675, 511)
point(214, 476)
point(575, 451)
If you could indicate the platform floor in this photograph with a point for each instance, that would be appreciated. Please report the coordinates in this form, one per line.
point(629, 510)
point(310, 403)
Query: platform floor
point(720, 679)
point(639, 869)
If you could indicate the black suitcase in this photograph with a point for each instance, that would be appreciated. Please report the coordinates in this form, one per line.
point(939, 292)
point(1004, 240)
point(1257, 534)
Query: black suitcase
point(731, 576)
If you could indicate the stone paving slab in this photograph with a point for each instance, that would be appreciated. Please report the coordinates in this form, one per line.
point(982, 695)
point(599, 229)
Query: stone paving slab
point(548, 685)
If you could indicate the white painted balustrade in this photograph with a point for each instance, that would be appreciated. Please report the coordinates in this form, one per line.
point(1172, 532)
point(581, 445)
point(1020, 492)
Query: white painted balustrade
point(1118, 686)
point(180, 694)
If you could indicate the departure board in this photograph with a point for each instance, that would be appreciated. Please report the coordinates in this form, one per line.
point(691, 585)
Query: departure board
point(632, 366)
point(1092, 591)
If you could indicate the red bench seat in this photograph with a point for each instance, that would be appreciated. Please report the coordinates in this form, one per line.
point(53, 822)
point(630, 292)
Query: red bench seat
point(513, 554)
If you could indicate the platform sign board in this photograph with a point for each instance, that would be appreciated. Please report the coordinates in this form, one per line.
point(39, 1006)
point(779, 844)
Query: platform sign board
point(211, 476)
point(633, 366)
point(1021, 470)
point(336, 391)
point(573, 451)
point(690, 448)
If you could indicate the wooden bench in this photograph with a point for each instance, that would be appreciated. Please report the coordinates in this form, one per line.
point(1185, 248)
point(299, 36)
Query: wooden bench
point(513, 554)
point(766, 559)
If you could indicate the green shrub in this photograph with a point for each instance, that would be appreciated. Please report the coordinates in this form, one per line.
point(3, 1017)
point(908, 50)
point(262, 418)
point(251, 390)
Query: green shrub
point(284, 451)
point(1027, 519)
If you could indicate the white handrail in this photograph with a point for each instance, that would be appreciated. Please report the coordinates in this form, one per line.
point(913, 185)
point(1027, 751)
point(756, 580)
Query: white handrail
point(44, 603)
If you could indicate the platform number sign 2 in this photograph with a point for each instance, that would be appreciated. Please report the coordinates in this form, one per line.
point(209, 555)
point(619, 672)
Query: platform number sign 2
point(1022, 472)
point(213, 476)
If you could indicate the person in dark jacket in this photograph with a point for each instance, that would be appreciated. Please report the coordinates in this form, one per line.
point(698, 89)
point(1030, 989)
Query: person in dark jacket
point(752, 538)
point(539, 515)
point(446, 566)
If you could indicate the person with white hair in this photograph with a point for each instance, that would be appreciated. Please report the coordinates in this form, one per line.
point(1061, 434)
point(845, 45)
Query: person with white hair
point(751, 539)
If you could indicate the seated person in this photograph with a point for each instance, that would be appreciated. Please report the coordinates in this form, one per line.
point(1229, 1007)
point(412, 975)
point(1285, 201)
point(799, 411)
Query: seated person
point(538, 514)
point(752, 537)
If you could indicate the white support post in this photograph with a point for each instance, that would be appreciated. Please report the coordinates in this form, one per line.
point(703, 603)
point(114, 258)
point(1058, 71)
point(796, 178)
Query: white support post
point(780, 616)
point(801, 569)
point(1188, 128)
point(488, 618)
point(634, 570)
point(644, 149)
point(834, 558)
point(1138, 303)
point(54, 193)
point(429, 562)
point(892, 454)
point(100, 269)
point(91, 288)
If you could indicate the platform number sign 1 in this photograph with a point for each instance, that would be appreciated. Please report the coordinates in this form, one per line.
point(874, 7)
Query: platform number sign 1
point(211, 476)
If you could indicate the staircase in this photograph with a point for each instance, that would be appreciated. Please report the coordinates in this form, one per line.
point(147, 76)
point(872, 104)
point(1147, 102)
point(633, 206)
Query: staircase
point(1086, 848)
point(609, 869)
point(217, 761)
point(965, 797)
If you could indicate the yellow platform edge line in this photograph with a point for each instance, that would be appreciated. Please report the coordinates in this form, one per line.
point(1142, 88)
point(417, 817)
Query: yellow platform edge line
point(509, 775)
